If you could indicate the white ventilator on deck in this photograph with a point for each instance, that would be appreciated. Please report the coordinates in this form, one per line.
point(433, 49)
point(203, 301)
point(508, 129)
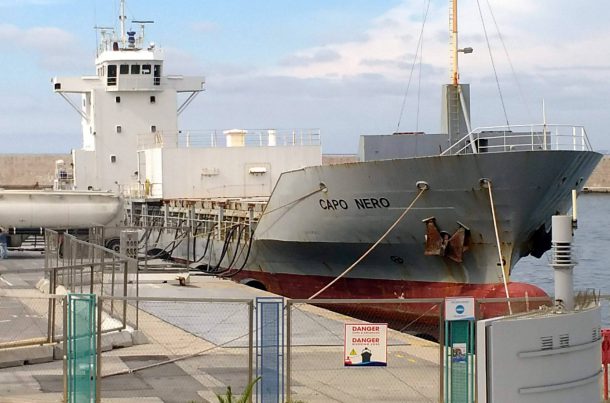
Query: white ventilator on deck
point(562, 260)
point(235, 137)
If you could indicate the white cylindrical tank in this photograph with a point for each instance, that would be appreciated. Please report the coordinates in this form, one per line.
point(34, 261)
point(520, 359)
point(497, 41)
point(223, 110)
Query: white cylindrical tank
point(52, 209)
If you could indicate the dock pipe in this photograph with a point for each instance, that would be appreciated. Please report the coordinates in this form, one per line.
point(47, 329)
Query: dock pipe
point(562, 260)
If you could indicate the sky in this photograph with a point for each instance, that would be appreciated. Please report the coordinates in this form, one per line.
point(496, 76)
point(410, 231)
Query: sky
point(340, 66)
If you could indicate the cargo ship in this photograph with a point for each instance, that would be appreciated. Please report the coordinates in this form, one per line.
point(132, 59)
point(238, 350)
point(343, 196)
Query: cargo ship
point(423, 215)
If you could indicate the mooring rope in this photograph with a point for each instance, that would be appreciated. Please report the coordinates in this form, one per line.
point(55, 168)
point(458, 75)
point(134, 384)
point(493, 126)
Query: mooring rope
point(493, 214)
point(321, 189)
point(369, 250)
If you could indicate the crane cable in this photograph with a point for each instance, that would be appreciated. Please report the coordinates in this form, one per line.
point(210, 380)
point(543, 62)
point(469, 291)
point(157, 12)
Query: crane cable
point(493, 64)
point(510, 63)
point(417, 54)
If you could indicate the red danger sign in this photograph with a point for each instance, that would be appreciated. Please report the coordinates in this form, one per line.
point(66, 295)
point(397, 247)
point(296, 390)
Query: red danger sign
point(365, 345)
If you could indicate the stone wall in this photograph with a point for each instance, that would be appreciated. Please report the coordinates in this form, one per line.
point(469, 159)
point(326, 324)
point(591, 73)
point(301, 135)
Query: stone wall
point(29, 170)
point(601, 175)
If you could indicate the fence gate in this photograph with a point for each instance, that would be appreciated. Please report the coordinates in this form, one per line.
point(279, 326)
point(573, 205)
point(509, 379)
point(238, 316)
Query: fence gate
point(81, 359)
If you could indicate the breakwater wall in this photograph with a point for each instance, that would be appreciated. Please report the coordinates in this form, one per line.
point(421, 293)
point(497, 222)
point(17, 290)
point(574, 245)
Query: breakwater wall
point(31, 170)
point(600, 179)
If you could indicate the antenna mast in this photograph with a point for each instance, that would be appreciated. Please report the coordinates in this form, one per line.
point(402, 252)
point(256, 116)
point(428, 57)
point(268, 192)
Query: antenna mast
point(122, 19)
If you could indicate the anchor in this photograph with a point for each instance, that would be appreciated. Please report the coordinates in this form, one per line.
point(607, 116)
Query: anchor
point(442, 243)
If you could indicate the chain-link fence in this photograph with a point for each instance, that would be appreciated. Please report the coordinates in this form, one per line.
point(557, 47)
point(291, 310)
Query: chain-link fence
point(183, 349)
point(31, 369)
point(316, 359)
point(25, 319)
point(79, 266)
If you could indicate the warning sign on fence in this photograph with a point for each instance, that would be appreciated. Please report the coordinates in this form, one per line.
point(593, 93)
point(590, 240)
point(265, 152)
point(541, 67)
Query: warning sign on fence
point(366, 345)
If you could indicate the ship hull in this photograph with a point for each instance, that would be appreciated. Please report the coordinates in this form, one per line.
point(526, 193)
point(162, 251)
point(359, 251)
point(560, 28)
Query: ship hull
point(320, 220)
point(421, 318)
point(309, 237)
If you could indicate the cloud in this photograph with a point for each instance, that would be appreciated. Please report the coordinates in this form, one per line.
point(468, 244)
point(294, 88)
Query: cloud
point(180, 62)
point(309, 58)
point(357, 87)
point(534, 40)
point(54, 48)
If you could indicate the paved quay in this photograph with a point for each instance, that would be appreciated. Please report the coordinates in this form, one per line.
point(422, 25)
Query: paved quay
point(214, 337)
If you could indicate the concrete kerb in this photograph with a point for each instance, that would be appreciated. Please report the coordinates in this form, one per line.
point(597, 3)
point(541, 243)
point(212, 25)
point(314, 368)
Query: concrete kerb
point(18, 356)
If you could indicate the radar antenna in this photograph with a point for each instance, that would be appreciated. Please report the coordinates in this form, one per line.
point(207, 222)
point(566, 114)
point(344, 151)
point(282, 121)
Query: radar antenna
point(142, 26)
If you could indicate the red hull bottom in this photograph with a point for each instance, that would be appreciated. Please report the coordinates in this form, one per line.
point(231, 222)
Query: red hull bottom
point(410, 317)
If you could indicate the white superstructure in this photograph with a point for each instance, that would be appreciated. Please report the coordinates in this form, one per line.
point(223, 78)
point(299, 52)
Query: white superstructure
point(128, 96)
point(132, 144)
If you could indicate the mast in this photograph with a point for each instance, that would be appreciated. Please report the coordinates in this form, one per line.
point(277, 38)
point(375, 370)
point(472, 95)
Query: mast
point(455, 115)
point(453, 27)
point(122, 19)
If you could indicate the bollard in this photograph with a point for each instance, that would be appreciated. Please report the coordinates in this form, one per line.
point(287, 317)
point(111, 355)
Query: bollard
point(605, 358)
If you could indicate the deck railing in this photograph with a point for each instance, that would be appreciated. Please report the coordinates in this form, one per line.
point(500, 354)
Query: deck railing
point(230, 138)
point(536, 137)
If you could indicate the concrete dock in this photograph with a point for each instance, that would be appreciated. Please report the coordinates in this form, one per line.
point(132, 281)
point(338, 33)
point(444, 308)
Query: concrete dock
point(170, 330)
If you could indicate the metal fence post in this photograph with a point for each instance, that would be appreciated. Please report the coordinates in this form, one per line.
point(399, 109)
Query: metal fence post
point(146, 252)
point(188, 247)
point(250, 343)
point(98, 394)
point(288, 349)
point(137, 296)
point(51, 315)
point(125, 277)
point(441, 346)
point(65, 347)
point(91, 255)
point(112, 281)
point(102, 267)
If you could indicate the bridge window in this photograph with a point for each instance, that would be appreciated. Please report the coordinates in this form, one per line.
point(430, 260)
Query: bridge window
point(111, 74)
point(153, 99)
point(124, 69)
point(146, 68)
point(157, 75)
point(135, 69)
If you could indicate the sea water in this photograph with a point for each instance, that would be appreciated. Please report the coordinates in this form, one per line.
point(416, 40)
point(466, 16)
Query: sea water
point(591, 249)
